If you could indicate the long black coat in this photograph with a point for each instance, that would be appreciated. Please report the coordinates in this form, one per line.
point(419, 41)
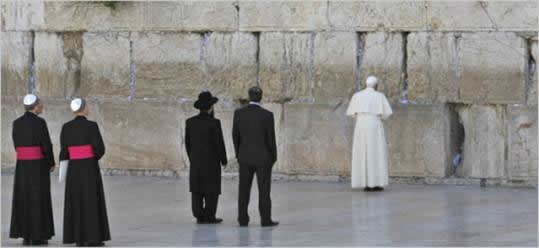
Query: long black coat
point(85, 212)
point(253, 133)
point(206, 150)
point(31, 214)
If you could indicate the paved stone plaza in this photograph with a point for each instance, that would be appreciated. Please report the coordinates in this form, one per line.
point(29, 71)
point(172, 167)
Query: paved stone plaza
point(153, 211)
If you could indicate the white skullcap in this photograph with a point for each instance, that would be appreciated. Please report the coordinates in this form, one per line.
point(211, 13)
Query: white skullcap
point(372, 81)
point(77, 104)
point(30, 99)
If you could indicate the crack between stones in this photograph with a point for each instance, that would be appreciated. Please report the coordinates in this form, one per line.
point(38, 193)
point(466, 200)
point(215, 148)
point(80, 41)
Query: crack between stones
point(404, 68)
point(257, 57)
point(132, 70)
point(31, 85)
point(360, 51)
point(532, 67)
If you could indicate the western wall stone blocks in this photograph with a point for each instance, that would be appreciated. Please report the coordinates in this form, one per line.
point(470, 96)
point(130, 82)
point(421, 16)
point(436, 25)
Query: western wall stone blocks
point(419, 141)
point(16, 62)
point(286, 66)
point(382, 56)
point(335, 66)
point(318, 139)
point(105, 66)
point(282, 15)
point(522, 159)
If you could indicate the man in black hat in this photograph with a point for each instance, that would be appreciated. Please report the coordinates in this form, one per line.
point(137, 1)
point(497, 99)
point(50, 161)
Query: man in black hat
point(206, 151)
point(253, 133)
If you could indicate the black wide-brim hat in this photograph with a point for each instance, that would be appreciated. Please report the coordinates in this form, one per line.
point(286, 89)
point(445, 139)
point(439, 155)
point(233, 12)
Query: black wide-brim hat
point(205, 100)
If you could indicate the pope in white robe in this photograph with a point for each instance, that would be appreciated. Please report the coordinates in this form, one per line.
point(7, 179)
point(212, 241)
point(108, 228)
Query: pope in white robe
point(369, 153)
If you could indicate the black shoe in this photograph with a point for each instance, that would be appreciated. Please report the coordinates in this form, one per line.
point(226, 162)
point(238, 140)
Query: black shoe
point(368, 189)
point(80, 244)
point(271, 223)
point(214, 221)
point(39, 242)
point(201, 221)
point(244, 224)
point(378, 189)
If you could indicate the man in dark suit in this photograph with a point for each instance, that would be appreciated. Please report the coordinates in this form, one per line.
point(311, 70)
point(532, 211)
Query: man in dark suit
point(206, 150)
point(253, 133)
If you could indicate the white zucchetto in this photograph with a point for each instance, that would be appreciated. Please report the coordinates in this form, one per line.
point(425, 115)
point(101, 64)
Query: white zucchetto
point(30, 99)
point(372, 81)
point(77, 104)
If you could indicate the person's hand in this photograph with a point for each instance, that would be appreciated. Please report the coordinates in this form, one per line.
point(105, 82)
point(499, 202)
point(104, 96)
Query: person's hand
point(52, 168)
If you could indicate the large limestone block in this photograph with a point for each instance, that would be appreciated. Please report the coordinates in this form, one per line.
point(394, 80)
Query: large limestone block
point(105, 65)
point(286, 66)
point(22, 15)
point(318, 139)
point(382, 56)
point(484, 142)
point(419, 142)
point(16, 61)
point(482, 15)
point(230, 64)
point(142, 135)
point(432, 67)
point(493, 68)
point(93, 16)
point(190, 16)
point(169, 65)
point(522, 141)
point(12, 109)
point(282, 15)
point(532, 88)
point(57, 63)
point(335, 66)
point(376, 15)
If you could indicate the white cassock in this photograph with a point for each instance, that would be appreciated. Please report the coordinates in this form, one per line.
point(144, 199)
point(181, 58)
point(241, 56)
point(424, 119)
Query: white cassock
point(369, 153)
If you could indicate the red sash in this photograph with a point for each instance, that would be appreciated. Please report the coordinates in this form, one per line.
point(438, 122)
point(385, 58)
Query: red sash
point(80, 152)
point(29, 153)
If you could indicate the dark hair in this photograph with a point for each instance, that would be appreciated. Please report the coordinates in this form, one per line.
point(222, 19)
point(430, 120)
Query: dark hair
point(255, 94)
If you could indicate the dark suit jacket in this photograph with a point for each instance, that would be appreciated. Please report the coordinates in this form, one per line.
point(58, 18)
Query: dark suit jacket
point(206, 150)
point(253, 133)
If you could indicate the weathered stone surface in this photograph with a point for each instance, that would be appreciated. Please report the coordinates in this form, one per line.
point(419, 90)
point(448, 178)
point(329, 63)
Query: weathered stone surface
point(22, 15)
point(522, 141)
point(57, 63)
point(382, 56)
point(230, 64)
point(169, 65)
point(532, 86)
point(142, 135)
point(318, 139)
point(484, 142)
point(376, 15)
point(11, 110)
point(432, 67)
point(191, 16)
point(286, 66)
point(419, 142)
point(92, 16)
point(335, 66)
point(105, 65)
point(482, 15)
point(16, 61)
point(282, 15)
point(494, 67)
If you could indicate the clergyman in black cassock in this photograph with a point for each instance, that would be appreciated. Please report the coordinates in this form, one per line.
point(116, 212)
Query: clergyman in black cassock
point(206, 150)
point(85, 213)
point(253, 133)
point(31, 216)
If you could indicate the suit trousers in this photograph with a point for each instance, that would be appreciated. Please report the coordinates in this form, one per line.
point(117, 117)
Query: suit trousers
point(263, 178)
point(204, 205)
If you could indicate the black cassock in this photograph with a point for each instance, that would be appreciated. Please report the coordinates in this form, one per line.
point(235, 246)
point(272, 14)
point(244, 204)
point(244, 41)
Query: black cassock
point(31, 216)
point(206, 150)
point(85, 213)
